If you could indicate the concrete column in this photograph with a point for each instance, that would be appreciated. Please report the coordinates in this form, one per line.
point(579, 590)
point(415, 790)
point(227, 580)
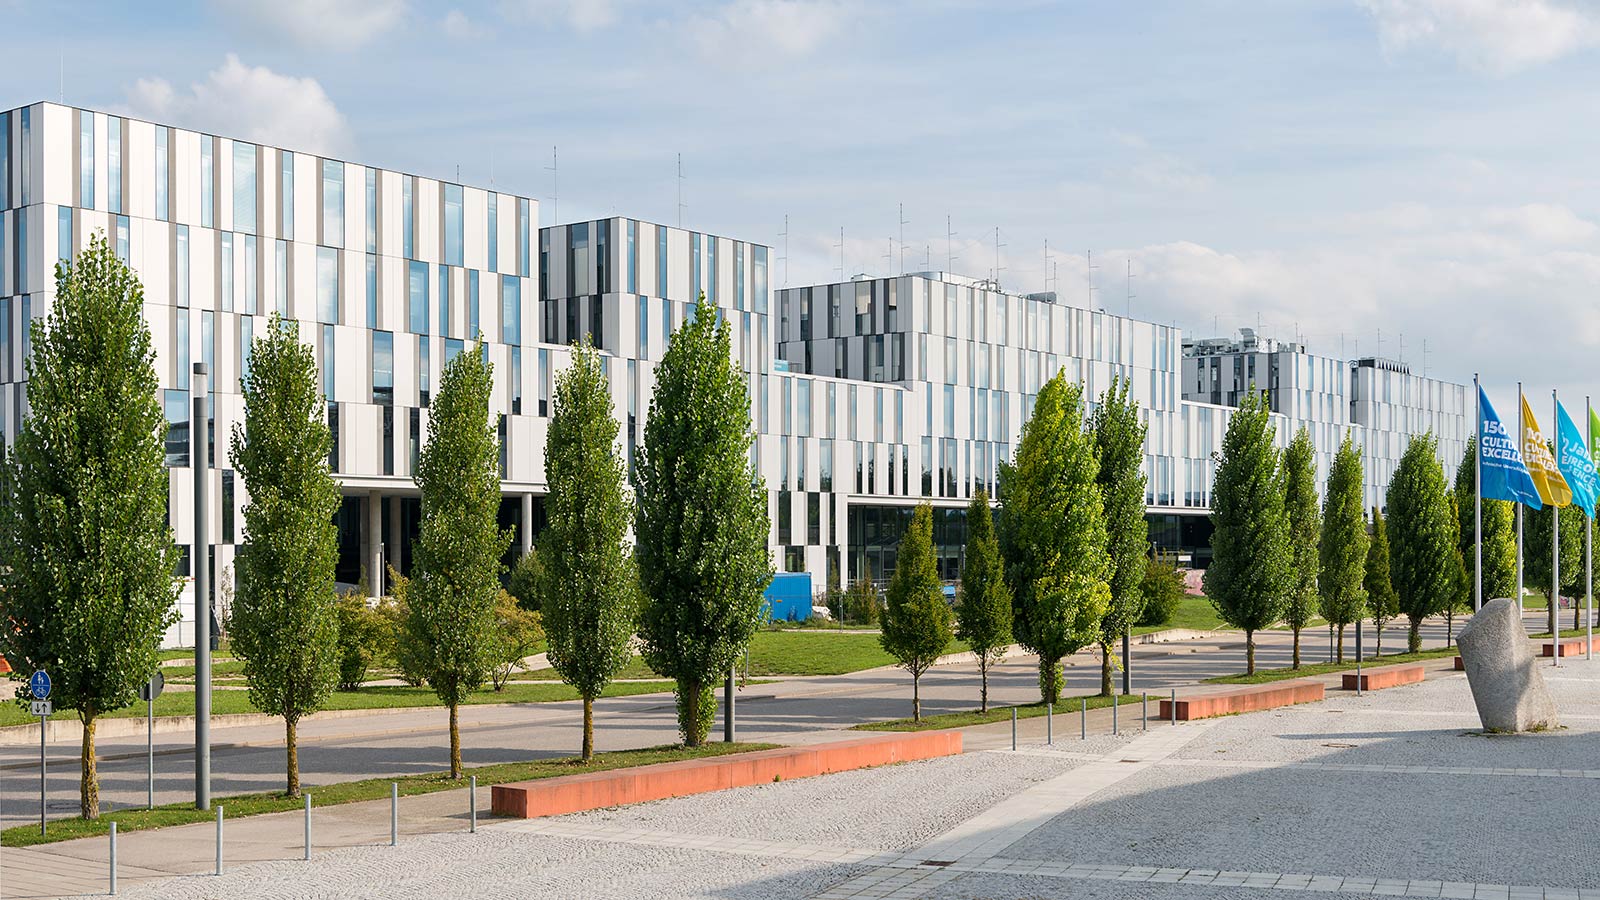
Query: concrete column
point(375, 572)
point(393, 549)
point(527, 524)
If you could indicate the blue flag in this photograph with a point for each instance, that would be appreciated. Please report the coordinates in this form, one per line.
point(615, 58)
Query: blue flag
point(1574, 461)
point(1505, 476)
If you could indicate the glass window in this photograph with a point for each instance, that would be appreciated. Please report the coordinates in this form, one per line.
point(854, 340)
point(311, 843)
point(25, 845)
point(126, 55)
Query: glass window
point(25, 157)
point(738, 275)
point(372, 290)
point(417, 277)
point(86, 160)
point(694, 267)
point(409, 215)
point(286, 191)
point(474, 305)
point(516, 378)
point(523, 217)
point(383, 367)
point(333, 203)
point(494, 232)
point(20, 225)
point(225, 269)
point(661, 262)
point(180, 279)
point(452, 225)
point(758, 267)
point(246, 344)
point(250, 274)
point(64, 233)
point(372, 210)
point(244, 187)
point(281, 264)
point(208, 184)
point(162, 212)
point(5, 165)
point(180, 345)
point(208, 343)
point(114, 164)
point(176, 406)
point(424, 365)
point(539, 380)
point(510, 310)
point(444, 300)
point(633, 257)
point(452, 349)
point(327, 363)
point(644, 327)
point(327, 285)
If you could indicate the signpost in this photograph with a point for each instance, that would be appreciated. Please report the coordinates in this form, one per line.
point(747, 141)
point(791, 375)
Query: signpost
point(148, 692)
point(40, 705)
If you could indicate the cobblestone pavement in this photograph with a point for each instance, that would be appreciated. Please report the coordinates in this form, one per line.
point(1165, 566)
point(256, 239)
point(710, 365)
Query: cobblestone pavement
point(1392, 793)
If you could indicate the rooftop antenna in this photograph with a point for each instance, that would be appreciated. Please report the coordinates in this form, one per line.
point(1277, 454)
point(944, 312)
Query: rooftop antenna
point(888, 256)
point(1380, 343)
point(927, 256)
point(1424, 357)
point(997, 267)
point(785, 257)
point(1090, 276)
point(903, 223)
point(1049, 268)
point(1127, 310)
point(950, 246)
point(555, 186)
point(680, 190)
point(840, 245)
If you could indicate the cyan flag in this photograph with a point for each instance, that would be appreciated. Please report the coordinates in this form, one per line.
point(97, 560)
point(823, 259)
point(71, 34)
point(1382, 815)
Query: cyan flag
point(1505, 477)
point(1572, 458)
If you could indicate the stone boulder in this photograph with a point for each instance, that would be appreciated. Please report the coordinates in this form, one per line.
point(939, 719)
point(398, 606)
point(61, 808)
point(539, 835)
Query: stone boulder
point(1502, 671)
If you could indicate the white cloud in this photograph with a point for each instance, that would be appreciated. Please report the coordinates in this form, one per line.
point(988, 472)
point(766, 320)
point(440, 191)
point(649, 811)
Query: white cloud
point(750, 33)
point(579, 15)
point(339, 24)
point(1497, 36)
point(456, 24)
point(250, 102)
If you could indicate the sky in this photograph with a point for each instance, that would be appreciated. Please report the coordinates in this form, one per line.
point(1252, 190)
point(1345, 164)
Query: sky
point(1412, 178)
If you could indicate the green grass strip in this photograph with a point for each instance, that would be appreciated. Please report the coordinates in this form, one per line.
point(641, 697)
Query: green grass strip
point(995, 714)
point(357, 791)
point(1265, 676)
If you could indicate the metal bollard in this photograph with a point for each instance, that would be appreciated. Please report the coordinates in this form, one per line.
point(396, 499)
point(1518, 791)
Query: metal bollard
point(1115, 703)
point(1174, 707)
point(113, 858)
point(1144, 711)
point(472, 798)
point(1083, 720)
point(308, 825)
point(394, 814)
point(219, 839)
point(1013, 728)
point(1049, 724)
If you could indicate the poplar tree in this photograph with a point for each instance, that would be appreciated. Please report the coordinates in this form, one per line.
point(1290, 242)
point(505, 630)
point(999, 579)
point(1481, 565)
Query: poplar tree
point(1300, 506)
point(1052, 533)
point(455, 573)
point(588, 589)
point(1342, 548)
point(1382, 603)
point(916, 619)
point(284, 623)
point(86, 554)
point(1499, 531)
point(1119, 441)
point(1422, 536)
point(1250, 575)
point(983, 617)
point(702, 520)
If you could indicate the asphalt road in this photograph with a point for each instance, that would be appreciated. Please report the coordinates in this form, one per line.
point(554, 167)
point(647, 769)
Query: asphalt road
point(247, 759)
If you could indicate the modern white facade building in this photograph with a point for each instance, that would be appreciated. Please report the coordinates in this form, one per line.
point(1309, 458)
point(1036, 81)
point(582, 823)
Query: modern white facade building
point(867, 396)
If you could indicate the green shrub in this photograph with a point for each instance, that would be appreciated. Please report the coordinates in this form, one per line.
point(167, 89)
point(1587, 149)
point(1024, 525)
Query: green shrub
point(1163, 590)
point(861, 603)
point(523, 584)
point(361, 638)
point(518, 632)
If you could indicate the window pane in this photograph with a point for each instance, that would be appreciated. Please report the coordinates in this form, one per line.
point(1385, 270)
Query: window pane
point(452, 224)
point(327, 285)
point(494, 232)
point(161, 173)
point(510, 310)
point(244, 187)
point(86, 160)
point(383, 367)
point(286, 176)
point(333, 203)
point(417, 277)
point(114, 164)
point(208, 199)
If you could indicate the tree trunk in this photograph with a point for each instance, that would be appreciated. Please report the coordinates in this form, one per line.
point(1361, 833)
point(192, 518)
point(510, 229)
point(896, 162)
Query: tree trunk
point(983, 682)
point(916, 696)
point(292, 758)
point(1296, 647)
point(1378, 627)
point(1050, 680)
point(455, 745)
point(1341, 643)
point(588, 728)
point(1577, 615)
point(1105, 669)
point(1414, 636)
point(1249, 652)
point(89, 786)
point(691, 713)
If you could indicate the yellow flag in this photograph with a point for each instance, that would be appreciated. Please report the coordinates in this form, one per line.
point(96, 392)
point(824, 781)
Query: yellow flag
point(1541, 462)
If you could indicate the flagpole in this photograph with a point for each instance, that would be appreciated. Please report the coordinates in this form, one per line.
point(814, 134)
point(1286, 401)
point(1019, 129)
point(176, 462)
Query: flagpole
point(1588, 540)
point(1553, 602)
point(1522, 445)
point(1477, 500)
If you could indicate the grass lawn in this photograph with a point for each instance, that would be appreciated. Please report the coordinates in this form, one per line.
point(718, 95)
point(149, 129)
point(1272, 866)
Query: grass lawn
point(355, 791)
point(1195, 613)
point(181, 703)
point(1263, 676)
point(804, 652)
point(995, 714)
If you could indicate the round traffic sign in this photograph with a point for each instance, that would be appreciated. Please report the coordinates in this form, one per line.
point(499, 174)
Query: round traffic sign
point(39, 685)
point(152, 689)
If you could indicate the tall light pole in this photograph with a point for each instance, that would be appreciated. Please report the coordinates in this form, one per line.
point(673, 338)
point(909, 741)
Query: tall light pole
point(200, 559)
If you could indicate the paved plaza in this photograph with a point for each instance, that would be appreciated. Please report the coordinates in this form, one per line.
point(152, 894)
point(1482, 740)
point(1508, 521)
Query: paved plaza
point(1391, 793)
